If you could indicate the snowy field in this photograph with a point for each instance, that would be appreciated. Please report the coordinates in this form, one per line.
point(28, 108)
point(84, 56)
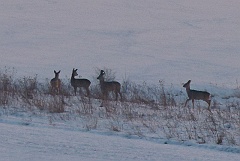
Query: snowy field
point(143, 41)
point(43, 142)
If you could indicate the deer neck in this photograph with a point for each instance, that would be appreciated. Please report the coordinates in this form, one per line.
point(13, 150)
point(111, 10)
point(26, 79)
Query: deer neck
point(101, 79)
point(188, 90)
point(72, 78)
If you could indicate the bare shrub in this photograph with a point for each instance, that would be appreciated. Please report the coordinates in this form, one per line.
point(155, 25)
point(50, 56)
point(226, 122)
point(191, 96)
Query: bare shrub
point(7, 86)
point(84, 106)
point(216, 126)
point(115, 124)
point(66, 88)
point(27, 87)
point(56, 105)
point(146, 109)
point(137, 93)
point(90, 122)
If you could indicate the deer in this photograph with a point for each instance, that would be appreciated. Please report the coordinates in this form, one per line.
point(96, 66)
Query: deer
point(196, 95)
point(109, 86)
point(79, 83)
point(55, 82)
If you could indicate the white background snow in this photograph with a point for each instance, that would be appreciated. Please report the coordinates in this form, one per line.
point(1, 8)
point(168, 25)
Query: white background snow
point(144, 41)
point(41, 142)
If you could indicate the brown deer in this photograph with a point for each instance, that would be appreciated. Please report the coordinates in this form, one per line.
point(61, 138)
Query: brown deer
point(79, 83)
point(196, 95)
point(55, 82)
point(106, 87)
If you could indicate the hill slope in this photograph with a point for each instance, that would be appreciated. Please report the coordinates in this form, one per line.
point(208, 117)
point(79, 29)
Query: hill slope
point(141, 40)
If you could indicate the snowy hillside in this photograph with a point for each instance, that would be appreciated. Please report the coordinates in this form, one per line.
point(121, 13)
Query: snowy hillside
point(43, 142)
point(141, 42)
point(144, 40)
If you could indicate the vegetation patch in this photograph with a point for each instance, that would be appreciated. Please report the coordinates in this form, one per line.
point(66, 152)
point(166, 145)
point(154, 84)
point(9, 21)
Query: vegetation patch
point(144, 110)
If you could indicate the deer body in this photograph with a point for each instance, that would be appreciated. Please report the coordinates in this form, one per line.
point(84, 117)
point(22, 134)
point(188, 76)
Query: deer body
point(55, 82)
point(79, 83)
point(106, 87)
point(196, 95)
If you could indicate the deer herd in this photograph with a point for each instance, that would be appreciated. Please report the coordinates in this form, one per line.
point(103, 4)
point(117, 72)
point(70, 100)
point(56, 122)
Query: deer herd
point(115, 87)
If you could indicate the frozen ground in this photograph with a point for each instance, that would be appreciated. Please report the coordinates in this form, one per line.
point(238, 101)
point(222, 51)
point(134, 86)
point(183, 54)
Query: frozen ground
point(140, 40)
point(21, 140)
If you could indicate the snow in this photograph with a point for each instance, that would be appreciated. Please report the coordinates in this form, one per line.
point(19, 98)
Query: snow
point(143, 41)
point(35, 141)
point(146, 41)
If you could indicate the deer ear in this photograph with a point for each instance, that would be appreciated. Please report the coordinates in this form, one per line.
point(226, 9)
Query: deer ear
point(55, 71)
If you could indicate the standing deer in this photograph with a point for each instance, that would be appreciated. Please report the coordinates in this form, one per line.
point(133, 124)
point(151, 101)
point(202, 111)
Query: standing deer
point(196, 95)
point(84, 83)
point(55, 82)
point(106, 87)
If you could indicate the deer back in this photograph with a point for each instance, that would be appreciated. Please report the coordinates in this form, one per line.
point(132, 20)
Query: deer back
point(198, 95)
point(80, 82)
point(110, 86)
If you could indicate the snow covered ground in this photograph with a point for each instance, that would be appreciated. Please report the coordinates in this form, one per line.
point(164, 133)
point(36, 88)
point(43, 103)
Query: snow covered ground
point(144, 41)
point(21, 140)
point(141, 40)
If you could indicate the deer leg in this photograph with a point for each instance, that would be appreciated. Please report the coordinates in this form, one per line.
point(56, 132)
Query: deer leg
point(116, 93)
point(88, 92)
point(193, 102)
point(120, 95)
point(101, 104)
point(104, 96)
point(75, 90)
point(187, 102)
point(80, 91)
point(54, 90)
point(209, 103)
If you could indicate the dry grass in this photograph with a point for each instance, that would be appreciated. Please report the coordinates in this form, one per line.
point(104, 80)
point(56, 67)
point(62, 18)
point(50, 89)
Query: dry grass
point(144, 109)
